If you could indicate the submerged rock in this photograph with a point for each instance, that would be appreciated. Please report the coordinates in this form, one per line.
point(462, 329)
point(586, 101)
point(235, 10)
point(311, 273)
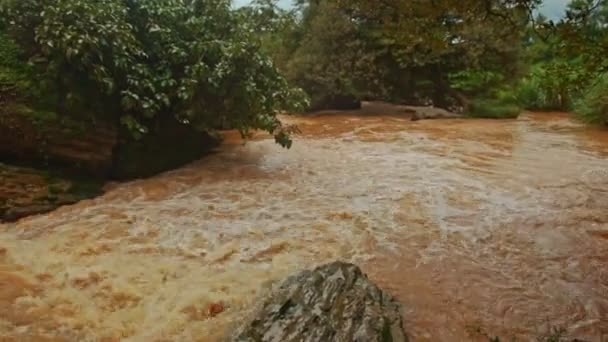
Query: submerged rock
point(334, 302)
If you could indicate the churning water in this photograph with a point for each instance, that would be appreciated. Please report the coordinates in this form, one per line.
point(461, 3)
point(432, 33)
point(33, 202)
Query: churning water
point(480, 228)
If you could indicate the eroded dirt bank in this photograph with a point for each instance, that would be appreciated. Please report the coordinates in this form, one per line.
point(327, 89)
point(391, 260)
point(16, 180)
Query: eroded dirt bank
point(491, 226)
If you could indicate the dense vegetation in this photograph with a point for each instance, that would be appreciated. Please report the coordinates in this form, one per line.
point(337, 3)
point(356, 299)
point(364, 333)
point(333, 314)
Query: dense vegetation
point(143, 65)
point(453, 54)
point(566, 63)
point(487, 58)
point(142, 62)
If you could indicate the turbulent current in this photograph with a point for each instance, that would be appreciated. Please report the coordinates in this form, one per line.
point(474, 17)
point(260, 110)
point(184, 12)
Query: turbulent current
point(480, 228)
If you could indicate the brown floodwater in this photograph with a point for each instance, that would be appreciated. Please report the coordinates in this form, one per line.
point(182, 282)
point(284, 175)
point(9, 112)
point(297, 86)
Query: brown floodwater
point(480, 228)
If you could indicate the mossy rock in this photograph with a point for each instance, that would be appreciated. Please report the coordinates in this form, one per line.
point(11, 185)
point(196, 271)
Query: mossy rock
point(334, 302)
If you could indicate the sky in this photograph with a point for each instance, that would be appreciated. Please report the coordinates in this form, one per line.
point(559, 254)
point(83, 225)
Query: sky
point(554, 9)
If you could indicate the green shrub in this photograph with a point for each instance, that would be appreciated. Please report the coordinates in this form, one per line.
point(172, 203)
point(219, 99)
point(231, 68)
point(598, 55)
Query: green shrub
point(552, 86)
point(15, 75)
point(593, 106)
point(534, 94)
point(475, 81)
point(494, 109)
point(528, 94)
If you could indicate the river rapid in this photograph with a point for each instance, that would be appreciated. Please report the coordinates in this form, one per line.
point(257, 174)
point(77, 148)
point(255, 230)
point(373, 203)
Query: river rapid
point(480, 228)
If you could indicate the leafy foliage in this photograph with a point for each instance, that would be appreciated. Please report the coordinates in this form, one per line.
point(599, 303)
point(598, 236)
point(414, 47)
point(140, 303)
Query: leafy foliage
point(494, 109)
point(552, 85)
point(583, 34)
point(396, 50)
point(136, 61)
point(476, 81)
point(490, 97)
point(14, 74)
point(332, 58)
point(593, 106)
point(569, 63)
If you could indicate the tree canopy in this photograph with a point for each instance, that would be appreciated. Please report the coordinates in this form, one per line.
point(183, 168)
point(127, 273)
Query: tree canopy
point(139, 61)
point(405, 51)
point(205, 64)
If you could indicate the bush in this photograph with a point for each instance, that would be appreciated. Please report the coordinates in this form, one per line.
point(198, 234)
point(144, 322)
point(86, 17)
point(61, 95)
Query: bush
point(532, 93)
point(473, 81)
point(15, 75)
point(593, 106)
point(493, 109)
point(528, 94)
point(552, 86)
point(490, 92)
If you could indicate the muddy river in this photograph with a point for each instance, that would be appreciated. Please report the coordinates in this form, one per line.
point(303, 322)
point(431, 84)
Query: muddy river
point(480, 228)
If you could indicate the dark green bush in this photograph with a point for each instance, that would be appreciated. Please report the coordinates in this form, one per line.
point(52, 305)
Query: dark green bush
point(593, 106)
point(15, 75)
point(476, 81)
point(552, 86)
point(494, 109)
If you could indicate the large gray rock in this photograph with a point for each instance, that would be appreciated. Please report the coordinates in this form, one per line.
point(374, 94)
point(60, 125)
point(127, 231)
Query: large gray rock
point(335, 302)
point(430, 113)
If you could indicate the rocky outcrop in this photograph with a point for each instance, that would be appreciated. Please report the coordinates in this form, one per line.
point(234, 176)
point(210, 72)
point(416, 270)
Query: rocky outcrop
point(335, 302)
point(48, 160)
point(25, 191)
point(27, 137)
point(97, 150)
point(429, 113)
point(335, 102)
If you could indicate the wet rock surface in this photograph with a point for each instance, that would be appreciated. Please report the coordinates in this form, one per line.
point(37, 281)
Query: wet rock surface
point(26, 191)
point(334, 302)
point(430, 113)
point(96, 149)
point(67, 144)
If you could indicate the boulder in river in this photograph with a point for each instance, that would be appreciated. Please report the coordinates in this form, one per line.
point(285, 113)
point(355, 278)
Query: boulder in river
point(429, 113)
point(335, 302)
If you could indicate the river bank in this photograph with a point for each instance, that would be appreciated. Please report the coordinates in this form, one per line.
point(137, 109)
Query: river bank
point(26, 191)
point(49, 161)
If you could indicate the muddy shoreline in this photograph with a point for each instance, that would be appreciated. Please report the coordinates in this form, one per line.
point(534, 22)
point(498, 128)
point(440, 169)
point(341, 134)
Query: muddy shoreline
point(26, 191)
